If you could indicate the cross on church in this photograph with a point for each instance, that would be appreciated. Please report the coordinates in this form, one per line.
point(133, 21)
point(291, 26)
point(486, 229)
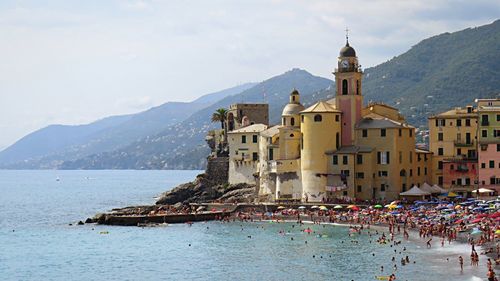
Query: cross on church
point(347, 34)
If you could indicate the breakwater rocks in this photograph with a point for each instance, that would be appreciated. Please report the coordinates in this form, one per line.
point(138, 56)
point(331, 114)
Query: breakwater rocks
point(203, 190)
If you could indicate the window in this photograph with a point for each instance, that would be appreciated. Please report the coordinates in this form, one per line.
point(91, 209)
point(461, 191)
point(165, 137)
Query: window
point(360, 175)
point(359, 159)
point(484, 133)
point(440, 180)
point(382, 132)
point(292, 121)
point(492, 164)
point(419, 157)
point(440, 136)
point(459, 122)
point(357, 87)
point(337, 140)
point(382, 187)
point(400, 132)
point(440, 165)
point(284, 121)
point(345, 159)
point(382, 173)
point(418, 171)
point(484, 120)
point(483, 165)
point(345, 172)
point(302, 118)
point(359, 188)
point(344, 87)
point(467, 122)
point(459, 151)
point(317, 118)
point(255, 156)
point(337, 118)
point(271, 154)
point(411, 157)
point(459, 181)
point(411, 133)
point(400, 157)
point(243, 139)
point(452, 167)
point(254, 138)
point(467, 181)
point(498, 117)
point(383, 157)
point(365, 133)
point(411, 172)
point(440, 151)
point(492, 180)
point(425, 171)
point(335, 160)
point(498, 147)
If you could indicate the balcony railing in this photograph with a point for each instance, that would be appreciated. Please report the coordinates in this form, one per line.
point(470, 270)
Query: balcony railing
point(461, 143)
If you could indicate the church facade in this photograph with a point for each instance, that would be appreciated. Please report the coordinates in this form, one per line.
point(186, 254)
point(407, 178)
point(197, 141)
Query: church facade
point(334, 148)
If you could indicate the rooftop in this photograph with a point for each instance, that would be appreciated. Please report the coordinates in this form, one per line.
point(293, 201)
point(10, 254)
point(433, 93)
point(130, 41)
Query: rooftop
point(375, 121)
point(321, 106)
point(255, 128)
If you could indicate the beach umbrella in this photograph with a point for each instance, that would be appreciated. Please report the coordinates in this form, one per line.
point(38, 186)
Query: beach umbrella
point(458, 207)
point(378, 206)
point(337, 207)
point(452, 194)
point(323, 208)
point(395, 202)
point(281, 207)
point(314, 207)
point(302, 207)
point(497, 231)
point(399, 206)
point(392, 206)
point(475, 231)
point(200, 208)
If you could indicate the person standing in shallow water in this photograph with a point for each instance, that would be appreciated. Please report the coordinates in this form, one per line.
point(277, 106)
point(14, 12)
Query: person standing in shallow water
point(461, 261)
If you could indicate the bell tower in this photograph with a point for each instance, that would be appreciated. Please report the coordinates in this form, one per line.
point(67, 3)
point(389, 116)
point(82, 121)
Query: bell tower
point(349, 98)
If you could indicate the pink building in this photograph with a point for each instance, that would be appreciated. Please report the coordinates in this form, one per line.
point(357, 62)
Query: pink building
point(460, 175)
point(489, 161)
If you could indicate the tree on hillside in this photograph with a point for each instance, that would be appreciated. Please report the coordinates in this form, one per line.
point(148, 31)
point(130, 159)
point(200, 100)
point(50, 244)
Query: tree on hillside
point(220, 115)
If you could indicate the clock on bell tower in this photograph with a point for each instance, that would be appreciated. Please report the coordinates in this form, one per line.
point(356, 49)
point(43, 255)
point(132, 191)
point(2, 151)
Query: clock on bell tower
point(349, 97)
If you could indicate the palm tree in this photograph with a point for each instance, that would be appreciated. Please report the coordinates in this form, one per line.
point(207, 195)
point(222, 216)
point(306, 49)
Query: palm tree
point(220, 115)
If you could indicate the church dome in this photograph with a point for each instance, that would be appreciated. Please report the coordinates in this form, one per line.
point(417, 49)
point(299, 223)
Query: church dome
point(292, 109)
point(347, 51)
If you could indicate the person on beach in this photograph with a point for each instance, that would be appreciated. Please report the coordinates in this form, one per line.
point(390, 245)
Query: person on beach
point(461, 261)
point(429, 243)
point(491, 275)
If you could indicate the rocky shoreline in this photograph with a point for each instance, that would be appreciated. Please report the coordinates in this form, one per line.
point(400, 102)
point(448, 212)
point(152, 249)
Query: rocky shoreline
point(174, 205)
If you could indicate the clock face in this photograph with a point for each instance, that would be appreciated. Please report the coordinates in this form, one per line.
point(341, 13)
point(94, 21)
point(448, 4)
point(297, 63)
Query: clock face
point(345, 63)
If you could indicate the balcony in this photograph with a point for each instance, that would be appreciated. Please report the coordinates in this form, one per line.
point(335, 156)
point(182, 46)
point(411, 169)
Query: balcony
point(461, 143)
point(460, 159)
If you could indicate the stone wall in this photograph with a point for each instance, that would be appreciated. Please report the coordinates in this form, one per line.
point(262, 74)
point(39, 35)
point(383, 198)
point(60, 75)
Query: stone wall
point(217, 169)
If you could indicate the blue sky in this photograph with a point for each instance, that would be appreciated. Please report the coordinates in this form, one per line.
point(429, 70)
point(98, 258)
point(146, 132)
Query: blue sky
point(72, 62)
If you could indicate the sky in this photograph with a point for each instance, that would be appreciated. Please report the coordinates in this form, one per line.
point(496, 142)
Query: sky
point(73, 62)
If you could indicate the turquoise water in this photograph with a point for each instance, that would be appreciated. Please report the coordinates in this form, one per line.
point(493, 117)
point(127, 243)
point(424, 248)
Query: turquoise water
point(38, 244)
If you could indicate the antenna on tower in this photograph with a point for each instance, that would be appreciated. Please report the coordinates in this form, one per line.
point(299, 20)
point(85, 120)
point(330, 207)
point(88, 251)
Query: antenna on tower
point(347, 36)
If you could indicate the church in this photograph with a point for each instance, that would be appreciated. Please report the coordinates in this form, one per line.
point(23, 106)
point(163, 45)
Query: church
point(335, 148)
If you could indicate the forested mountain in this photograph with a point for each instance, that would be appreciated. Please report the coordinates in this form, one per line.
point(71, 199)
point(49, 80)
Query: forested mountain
point(444, 71)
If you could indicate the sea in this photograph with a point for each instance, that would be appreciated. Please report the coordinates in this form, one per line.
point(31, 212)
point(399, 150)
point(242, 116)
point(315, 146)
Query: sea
point(39, 239)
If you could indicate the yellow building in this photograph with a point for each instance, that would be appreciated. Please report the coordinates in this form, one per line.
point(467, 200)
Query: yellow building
point(453, 142)
point(335, 148)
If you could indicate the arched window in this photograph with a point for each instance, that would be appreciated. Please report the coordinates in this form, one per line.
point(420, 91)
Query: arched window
point(292, 135)
point(293, 98)
point(357, 87)
point(284, 121)
point(344, 87)
point(292, 121)
point(317, 118)
point(402, 173)
point(337, 140)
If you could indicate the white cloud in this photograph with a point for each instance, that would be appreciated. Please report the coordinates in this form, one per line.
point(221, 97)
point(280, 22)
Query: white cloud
point(113, 57)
